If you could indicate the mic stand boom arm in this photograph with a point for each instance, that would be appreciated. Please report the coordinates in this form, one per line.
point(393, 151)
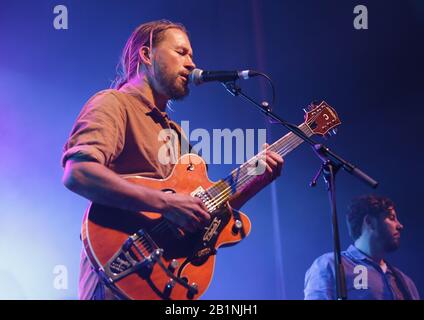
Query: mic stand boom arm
point(331, 163)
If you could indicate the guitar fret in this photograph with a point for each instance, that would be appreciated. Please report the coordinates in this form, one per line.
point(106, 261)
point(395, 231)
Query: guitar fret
point(240, 177)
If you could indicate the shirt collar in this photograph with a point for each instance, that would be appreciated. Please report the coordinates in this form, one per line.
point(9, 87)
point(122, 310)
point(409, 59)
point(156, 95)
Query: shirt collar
point(356, 253)
point(134, 91)
point(359, 255)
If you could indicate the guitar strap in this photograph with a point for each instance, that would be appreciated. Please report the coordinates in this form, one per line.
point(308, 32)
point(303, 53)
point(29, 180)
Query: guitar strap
point(400, 281)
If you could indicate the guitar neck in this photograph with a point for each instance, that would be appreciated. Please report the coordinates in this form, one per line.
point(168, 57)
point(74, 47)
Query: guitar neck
point(239, 178)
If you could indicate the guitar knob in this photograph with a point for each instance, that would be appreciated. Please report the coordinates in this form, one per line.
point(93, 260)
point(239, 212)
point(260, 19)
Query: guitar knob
point(168, 288)
point(193, 289)
point(173, 265)
point(237, 226)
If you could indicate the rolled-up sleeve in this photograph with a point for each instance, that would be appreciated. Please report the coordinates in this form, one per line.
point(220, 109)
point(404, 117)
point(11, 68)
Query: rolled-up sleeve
point(99, 131)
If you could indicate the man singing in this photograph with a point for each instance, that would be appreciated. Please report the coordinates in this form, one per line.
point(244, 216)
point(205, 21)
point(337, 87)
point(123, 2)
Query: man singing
point(117, 133)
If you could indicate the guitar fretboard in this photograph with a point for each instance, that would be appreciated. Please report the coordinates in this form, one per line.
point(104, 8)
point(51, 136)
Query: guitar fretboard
point(242, 176)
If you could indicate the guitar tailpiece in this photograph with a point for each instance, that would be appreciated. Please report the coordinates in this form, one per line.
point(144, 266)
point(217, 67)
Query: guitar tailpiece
point(130, 259)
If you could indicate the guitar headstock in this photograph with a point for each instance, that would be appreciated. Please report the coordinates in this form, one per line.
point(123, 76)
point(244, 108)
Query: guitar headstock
point(321, 118)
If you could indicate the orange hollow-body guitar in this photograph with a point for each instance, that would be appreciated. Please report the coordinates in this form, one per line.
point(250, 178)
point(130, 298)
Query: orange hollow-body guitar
point(142, 255)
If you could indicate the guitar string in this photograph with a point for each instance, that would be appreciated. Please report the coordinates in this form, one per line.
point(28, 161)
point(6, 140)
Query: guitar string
point(228, 190)
point(286, 139)
point(290, 140)
point(163, 225)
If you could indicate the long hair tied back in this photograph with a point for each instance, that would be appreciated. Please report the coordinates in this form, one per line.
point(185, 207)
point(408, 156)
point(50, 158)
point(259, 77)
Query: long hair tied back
point(148, 34)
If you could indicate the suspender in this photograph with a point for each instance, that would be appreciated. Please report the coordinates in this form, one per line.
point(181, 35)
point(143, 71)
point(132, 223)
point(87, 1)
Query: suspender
point(400, 281)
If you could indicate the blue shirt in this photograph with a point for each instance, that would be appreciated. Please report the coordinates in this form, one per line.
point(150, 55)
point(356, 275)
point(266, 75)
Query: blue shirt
point(365, 280)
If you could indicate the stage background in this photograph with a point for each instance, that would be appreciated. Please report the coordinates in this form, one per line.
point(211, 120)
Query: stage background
point(309, 48)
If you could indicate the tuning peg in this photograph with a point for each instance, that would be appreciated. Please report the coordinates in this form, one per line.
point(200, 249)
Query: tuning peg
point(309, 108)
point(313, 104)
point(330, 133)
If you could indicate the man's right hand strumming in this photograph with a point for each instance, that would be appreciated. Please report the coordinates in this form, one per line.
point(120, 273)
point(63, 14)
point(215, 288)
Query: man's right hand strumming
point(185, 211)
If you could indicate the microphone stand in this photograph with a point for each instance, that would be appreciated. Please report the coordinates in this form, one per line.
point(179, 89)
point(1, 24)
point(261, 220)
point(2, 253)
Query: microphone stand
point(331, 163)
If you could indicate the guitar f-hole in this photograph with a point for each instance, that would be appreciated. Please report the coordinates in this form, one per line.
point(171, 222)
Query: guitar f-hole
point(167, 190)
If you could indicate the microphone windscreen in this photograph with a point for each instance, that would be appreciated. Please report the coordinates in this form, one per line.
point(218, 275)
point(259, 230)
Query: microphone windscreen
point(195, 77)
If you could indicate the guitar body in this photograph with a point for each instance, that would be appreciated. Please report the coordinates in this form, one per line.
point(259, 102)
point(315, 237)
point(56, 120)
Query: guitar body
point(143, 256)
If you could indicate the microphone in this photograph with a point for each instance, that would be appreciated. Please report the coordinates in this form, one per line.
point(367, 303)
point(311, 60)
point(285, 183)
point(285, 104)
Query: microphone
point(199, 76)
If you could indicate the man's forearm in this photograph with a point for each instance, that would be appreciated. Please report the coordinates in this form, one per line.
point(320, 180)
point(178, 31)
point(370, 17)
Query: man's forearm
point(101, 185)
